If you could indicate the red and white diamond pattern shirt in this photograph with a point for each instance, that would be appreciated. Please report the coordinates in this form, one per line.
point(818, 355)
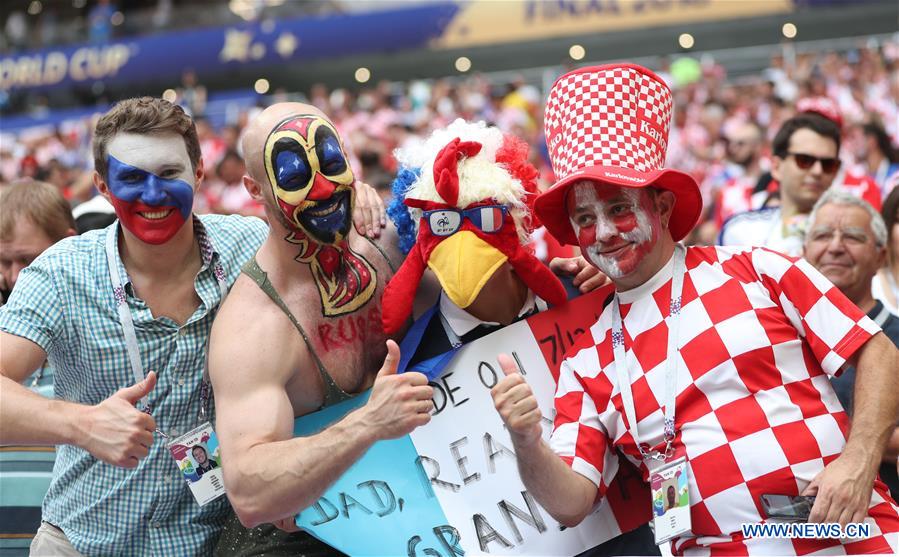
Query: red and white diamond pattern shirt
point(759, 335)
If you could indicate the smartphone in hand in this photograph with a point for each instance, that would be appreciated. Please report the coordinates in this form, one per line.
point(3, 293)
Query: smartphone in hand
point(787, 507)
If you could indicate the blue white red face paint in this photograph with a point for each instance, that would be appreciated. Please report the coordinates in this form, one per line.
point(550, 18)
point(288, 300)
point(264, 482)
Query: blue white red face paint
point(151, 184)
point(614, 226)
point(311, 177)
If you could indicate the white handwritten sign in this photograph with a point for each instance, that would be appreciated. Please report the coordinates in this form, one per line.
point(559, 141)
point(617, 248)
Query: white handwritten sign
point(452, 486)
point(467, 454)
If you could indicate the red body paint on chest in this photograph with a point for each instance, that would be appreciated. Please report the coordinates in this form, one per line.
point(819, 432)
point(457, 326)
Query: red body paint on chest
point(346, 331)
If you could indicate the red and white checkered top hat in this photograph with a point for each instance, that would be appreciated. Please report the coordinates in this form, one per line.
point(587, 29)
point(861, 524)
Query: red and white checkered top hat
point(610, 124)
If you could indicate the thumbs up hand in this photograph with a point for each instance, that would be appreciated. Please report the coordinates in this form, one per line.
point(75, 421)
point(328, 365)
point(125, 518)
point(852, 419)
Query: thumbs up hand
point(515, 402)
point(399, 402)
point(115, 431)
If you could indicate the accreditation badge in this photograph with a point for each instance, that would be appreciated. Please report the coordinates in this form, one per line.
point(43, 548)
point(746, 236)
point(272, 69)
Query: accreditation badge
point(199, 458)
point(670, 500)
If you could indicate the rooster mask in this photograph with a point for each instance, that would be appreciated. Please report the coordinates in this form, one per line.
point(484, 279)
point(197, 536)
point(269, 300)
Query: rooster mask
point(463, 209)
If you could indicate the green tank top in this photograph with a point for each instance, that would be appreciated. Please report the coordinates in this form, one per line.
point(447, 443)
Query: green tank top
point(266, 540)
point(333, 393)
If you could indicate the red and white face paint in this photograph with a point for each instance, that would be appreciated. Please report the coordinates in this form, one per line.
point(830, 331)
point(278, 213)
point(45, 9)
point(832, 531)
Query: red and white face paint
point(616, 226)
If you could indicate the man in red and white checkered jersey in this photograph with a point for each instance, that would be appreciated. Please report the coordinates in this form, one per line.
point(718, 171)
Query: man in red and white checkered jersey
point(759, 333)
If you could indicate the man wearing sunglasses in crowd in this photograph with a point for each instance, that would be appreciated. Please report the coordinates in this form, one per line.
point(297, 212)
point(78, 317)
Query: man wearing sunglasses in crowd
point(806, 160)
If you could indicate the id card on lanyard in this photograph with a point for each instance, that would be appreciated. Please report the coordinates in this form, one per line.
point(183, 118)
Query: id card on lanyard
point(189, 448)
point(668, 478)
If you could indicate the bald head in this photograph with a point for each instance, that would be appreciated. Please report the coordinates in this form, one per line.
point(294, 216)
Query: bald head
point(299, 168)
point(257, 131)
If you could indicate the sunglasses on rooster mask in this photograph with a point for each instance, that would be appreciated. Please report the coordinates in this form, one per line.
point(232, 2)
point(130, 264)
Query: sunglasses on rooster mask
point(803, 161)
point(445, 222)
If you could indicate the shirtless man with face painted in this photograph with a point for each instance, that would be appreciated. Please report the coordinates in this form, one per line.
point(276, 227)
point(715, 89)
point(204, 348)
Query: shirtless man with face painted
point(741, 389)
point(314, 293)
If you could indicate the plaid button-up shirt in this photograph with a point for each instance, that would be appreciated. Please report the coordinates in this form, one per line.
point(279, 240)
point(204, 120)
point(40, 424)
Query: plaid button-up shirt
point(64, 303)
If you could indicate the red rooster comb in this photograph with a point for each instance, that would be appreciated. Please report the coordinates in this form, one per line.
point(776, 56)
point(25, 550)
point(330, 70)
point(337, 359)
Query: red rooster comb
point(465, 167)
point(446, 167)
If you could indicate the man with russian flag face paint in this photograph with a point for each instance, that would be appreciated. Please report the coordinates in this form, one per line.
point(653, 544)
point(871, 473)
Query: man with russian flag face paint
point(150, 182)
point(123, 315)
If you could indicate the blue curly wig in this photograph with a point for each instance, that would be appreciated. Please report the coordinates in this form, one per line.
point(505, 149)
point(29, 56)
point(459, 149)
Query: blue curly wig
point(397, 210)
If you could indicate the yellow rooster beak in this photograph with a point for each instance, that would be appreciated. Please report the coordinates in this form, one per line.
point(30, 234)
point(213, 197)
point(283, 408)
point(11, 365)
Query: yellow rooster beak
point(463, 263)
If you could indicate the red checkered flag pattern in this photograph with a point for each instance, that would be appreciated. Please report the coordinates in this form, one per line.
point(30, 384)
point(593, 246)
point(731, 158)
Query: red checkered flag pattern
point(760, 334)
point(610, 124)
point(615, 117)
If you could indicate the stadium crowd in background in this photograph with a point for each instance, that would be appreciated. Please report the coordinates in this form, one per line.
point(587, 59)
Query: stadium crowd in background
point(722, 134)
point(722, 129)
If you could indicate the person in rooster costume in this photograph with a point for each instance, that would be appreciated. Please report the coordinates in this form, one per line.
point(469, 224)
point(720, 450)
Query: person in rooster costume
point(462, 205)
point(462, 209)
